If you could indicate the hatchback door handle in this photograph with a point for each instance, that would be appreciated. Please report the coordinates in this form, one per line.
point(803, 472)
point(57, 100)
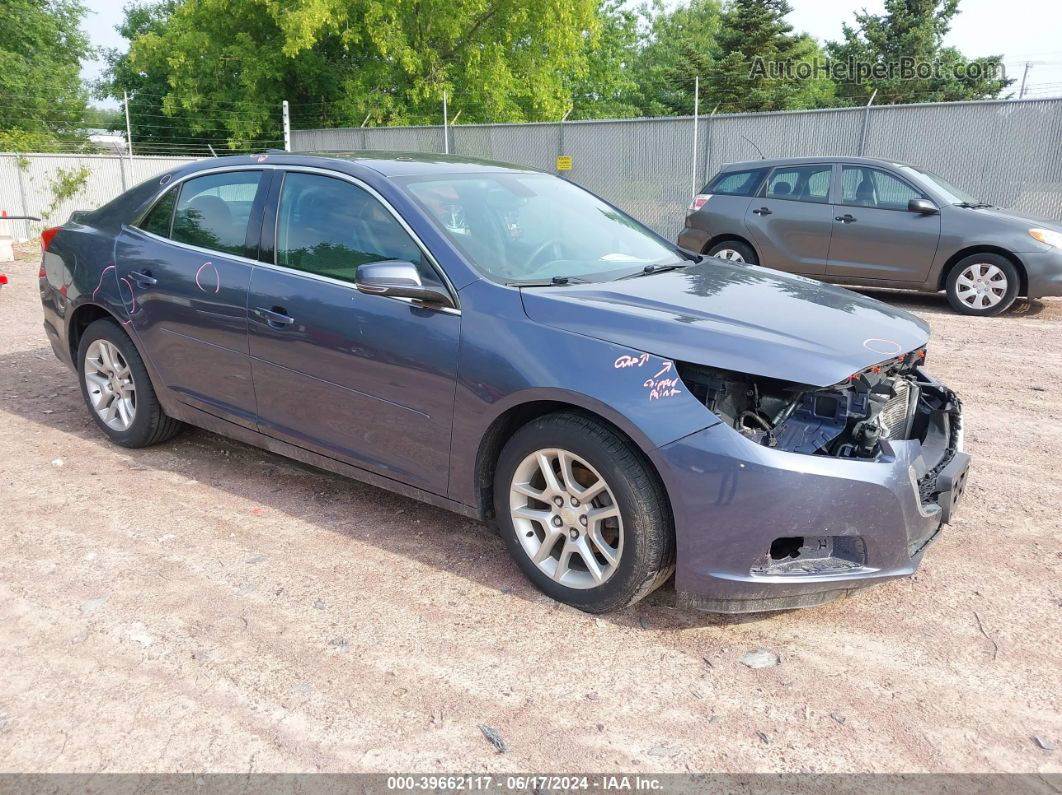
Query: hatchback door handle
point(762, 211)
point(277, 317)
point(143, 279)
point(847, 218)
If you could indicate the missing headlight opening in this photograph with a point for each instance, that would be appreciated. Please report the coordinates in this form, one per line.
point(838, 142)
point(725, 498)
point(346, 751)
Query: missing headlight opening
point(847, 420)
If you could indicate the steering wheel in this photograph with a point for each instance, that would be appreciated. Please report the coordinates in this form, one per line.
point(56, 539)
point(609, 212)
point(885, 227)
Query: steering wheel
point(541, 249)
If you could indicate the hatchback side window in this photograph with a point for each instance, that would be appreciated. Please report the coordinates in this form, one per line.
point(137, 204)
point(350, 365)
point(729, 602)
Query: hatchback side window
point(158, 220)
point(869, 187)
point(329, 227)
point(800, 183)
point(213, 211)
point(736, 183)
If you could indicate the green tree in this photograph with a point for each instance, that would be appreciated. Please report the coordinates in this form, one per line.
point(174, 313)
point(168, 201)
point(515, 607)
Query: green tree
point(759, 66)
point(680, 45)
point(42, 99)
point(912, 31)
point(608, 87)
point(220, 68)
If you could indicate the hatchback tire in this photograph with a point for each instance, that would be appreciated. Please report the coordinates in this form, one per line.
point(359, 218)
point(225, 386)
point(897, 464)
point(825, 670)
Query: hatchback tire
point(583, 514)
point(982, 284)
point(734, 251)
point(117, 390)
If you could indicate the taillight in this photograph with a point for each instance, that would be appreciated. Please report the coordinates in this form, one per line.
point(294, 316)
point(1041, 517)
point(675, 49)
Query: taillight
point(699, 201)
point(47, 235)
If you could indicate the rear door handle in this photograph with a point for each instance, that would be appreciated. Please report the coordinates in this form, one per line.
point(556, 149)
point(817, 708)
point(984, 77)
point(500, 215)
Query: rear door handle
point(277, 317)
point(847, 218)
point(143, 279)
point(762, 211)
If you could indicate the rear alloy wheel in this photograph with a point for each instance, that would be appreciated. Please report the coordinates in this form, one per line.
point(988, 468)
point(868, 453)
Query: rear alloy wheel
point(582, 514)
point(734, 251)
point(982, 284)
point(117, 389)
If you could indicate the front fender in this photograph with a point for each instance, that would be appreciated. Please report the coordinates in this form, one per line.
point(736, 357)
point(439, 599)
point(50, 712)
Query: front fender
point(508, 360)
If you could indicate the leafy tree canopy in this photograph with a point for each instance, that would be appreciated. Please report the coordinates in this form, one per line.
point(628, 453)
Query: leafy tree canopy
point(42, 99)
point(914, 30)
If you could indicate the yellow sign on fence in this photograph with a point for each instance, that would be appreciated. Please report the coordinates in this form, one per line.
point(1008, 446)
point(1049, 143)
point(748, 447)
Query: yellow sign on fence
point(564, 162)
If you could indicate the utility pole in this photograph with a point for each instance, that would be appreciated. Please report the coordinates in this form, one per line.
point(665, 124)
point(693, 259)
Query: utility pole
point(287, 127)
point(866, 123)
point(1024, 75)
point(128, 127)
point(696, 113)
point(446, 127)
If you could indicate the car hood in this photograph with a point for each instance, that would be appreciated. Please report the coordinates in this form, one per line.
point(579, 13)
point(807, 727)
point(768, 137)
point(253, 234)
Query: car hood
point(1016, 218)
point(735, 317)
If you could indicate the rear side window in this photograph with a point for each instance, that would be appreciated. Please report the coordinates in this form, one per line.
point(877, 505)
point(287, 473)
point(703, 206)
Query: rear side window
point(158, 220)
point(869, 187)
point(801, 183)
point(736, 183)
point(213, 211)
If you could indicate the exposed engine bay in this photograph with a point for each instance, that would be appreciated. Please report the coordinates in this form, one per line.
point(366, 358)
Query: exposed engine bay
point(847, 420)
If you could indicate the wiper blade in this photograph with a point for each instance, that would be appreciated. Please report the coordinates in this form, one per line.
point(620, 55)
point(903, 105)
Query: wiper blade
point(648, 270)
point(975, 205)
point(553, 282)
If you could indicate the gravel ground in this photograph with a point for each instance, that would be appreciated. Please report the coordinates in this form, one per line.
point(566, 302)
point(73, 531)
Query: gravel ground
point(206, 606)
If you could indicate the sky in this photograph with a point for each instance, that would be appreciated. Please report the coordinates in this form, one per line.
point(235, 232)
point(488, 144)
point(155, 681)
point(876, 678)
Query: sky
point(1026, 32)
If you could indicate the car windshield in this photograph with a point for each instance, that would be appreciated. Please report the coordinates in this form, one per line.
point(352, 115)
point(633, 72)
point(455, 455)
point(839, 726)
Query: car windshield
point(536, 227)
point(953, 194)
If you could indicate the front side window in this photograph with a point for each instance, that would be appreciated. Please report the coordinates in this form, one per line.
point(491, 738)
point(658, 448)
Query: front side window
point(870, 187)
point(213, 211)
point(529, 227)
point(736, 183)
point(329, 227)
point(800, 183)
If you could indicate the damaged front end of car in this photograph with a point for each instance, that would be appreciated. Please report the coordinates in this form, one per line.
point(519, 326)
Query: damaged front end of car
point(836, 487)
point(891, 401)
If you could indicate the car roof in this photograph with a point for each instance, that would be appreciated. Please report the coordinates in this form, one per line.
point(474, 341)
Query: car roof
point(795, 161)
point(387, 164)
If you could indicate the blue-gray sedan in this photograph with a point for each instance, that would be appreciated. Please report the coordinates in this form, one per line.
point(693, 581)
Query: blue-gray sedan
point(501, 343)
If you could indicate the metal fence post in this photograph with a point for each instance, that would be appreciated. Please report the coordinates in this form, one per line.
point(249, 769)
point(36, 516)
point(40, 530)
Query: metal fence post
point(866, 122)
point(22, 192)
point(121, 166)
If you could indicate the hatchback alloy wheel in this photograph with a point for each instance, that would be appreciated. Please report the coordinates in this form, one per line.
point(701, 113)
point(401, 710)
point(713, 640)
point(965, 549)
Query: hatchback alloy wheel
point(110, 386)
point(567, 518)
point(981, 285)
point(729, 254)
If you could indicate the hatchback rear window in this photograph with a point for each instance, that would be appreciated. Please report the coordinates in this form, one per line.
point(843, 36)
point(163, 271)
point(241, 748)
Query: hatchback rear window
point(736, 183)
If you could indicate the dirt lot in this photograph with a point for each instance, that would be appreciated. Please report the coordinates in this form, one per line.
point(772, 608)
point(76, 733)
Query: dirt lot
point(205, 606)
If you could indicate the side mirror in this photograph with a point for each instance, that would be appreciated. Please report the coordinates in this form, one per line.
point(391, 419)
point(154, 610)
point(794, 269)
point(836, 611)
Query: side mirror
point(922, 206)
point(398, 279)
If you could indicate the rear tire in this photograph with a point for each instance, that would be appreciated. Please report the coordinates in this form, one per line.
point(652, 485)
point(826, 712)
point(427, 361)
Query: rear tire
point(598, 536)
point(982, 285)
point(117, 390)
point(734, 251)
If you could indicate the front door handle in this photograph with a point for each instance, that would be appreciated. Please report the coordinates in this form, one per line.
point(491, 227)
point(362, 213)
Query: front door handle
point(143, 279)
point(847, 218)
point(762, 211)
point(277, 317)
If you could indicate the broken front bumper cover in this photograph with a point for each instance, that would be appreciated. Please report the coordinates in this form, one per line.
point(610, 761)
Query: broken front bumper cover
point(734, 499)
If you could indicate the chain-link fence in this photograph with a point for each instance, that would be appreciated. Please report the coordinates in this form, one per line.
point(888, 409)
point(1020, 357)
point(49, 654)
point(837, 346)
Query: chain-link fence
point(33, 184)
point(1008, 153)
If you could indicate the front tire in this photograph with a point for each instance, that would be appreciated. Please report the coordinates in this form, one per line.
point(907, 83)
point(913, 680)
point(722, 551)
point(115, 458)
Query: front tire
point(117, 390)
point(982, 285)
point(582, 513)
point(734, 251)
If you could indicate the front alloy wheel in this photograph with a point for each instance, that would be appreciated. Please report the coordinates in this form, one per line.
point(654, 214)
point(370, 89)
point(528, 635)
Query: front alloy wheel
point(583, 513)
point(566, 518)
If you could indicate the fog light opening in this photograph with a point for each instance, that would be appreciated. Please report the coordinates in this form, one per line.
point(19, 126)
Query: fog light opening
point(786, 548)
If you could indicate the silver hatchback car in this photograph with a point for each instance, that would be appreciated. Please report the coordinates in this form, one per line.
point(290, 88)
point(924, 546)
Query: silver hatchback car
point(863, 221)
